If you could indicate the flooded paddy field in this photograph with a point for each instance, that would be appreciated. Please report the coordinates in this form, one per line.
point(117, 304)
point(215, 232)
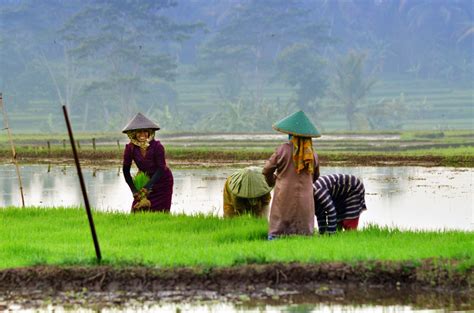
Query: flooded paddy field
point(430, 198)
point(450, 148)
point(412, 197)
point(256, 288)
point(321, 299)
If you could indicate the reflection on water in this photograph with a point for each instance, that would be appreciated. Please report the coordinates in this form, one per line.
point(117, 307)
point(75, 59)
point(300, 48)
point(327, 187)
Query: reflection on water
point(405, 197)
point(227, 307)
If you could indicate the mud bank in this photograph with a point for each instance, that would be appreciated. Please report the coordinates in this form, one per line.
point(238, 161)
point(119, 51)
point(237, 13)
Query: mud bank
point(431, 282)
point(212, 160)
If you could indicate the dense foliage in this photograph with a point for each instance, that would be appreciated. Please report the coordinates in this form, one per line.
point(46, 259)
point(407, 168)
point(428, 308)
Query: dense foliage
point(233, 65)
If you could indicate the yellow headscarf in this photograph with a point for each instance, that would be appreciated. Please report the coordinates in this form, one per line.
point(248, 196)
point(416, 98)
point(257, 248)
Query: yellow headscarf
point(132, 134)
point(303, 155)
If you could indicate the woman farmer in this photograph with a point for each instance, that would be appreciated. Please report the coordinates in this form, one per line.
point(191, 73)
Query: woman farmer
point(339, 200)
point(292, 169)
point(149, 156)
point(246, 191)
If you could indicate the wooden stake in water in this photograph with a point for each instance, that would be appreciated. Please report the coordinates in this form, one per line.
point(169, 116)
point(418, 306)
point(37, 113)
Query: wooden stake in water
point(83, 186)
point(5, 122)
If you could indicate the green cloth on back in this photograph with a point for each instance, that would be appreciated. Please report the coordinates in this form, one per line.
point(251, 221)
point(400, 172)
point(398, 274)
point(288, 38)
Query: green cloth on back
point(297, 124)
point(248, 182)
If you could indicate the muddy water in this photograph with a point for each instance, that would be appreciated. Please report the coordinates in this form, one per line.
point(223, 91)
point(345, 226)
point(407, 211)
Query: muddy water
point(404, 197)
point(229, 307)
point(333, 298)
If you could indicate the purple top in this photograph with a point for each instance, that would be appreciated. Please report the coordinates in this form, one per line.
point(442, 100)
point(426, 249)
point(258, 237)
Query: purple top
point(154, 160)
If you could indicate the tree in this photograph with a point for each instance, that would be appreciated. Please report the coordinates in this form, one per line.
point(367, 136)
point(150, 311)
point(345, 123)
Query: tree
point(349, 86)
point(439, 27)
point(247, 44)
point(128, 47)
point(388, 114)
point(302, 68)
point(27, 39)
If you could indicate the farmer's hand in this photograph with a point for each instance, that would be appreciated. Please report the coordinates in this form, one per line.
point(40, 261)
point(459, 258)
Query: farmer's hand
point(136, 196)
point(144, 191)
point(144, 203)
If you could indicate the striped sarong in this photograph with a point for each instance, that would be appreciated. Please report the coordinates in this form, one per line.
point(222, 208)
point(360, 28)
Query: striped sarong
point(337, 197)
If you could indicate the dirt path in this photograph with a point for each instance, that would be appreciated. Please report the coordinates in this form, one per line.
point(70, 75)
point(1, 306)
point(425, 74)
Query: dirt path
point(431, 283)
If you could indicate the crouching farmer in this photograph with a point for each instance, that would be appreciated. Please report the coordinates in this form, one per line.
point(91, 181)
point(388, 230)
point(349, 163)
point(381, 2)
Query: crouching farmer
point(339, 200)
point(246, 192)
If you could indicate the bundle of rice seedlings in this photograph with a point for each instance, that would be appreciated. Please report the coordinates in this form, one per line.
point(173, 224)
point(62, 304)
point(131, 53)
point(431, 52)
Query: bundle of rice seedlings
point(140, 180)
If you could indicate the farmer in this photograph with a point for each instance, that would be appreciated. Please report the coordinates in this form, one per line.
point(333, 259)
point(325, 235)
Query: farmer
point(149, 156)
point(292, 169)
point(339, 200)
point(246, 191)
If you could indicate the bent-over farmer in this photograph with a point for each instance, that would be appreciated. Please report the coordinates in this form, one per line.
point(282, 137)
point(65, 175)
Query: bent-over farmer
point(246, 192)
point(339, 200)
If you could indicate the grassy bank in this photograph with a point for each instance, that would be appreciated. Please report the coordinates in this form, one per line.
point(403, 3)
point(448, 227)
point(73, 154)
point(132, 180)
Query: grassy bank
point(208, 156)
point(448, 148)
point(62, 237)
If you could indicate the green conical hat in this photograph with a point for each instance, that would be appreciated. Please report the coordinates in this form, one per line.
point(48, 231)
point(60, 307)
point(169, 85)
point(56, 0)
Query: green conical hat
point(140, 122)
point(248, 183)
point(297, 124)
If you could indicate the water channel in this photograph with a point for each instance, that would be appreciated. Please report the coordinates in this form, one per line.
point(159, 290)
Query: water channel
point(416, 198)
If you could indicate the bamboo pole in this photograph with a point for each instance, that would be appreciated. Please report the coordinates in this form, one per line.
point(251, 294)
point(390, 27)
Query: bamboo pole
point(5, 123)
point(83, 187)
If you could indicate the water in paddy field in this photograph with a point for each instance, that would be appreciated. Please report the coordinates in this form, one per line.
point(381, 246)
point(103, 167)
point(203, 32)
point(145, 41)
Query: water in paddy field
point(235, 308)
point(418, 198)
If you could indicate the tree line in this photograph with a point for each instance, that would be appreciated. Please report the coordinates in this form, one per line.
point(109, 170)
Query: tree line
point(107, 59)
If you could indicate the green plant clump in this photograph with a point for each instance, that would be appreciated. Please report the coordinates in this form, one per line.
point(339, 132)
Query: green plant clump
point(140, 180)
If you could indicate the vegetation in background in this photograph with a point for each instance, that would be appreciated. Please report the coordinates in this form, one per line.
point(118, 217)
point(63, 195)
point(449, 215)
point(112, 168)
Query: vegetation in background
point(438, 148)
point(303, 68)
point(62, 236)
point(264, 60)
point(350, 87)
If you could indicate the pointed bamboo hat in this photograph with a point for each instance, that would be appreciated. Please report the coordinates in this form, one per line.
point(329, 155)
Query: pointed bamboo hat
point(297, 124)
point(248, 182)
point(140, 122)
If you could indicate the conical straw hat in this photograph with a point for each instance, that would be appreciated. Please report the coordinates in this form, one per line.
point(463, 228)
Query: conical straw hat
point(140, 122)
point(248, 183)
point(297, 124)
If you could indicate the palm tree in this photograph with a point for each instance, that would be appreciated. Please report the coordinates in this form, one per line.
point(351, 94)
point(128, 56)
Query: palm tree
point(442, 27)
point(349, 86)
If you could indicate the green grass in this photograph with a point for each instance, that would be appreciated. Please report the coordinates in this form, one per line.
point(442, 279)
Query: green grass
point(61, 236)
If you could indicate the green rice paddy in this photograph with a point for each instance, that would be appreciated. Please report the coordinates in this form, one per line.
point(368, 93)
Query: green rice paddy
point(61, 236)
point(440, 105)
point(438, 148)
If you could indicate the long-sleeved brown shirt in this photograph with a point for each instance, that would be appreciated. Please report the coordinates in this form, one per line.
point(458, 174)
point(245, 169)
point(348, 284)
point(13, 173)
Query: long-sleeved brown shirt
point(292, 209)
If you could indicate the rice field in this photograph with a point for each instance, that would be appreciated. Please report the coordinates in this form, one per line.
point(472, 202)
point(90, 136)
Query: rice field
point(431, 104)
point(61, 236)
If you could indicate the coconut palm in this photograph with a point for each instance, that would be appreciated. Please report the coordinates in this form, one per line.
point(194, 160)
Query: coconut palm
point(349, 86)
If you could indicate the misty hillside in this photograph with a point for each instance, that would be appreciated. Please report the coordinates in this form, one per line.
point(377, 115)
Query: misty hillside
point(238, 65)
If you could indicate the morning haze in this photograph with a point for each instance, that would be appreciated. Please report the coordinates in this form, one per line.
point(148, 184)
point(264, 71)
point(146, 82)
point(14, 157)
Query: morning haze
point(237, 65)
